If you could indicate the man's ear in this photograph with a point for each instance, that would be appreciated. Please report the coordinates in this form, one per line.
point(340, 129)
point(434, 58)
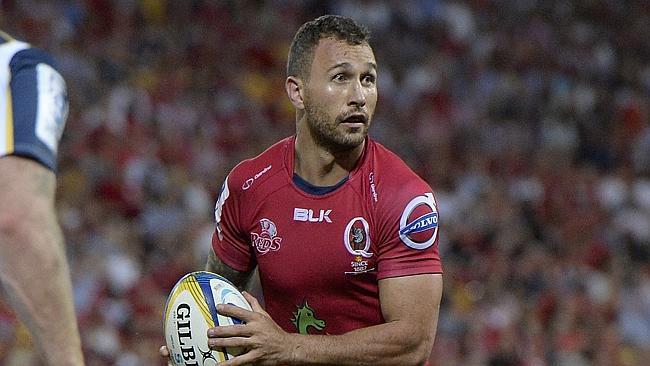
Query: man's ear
point(295, 91)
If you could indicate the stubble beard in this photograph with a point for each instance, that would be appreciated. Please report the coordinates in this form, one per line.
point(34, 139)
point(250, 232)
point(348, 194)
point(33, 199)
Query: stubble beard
point(327, 134)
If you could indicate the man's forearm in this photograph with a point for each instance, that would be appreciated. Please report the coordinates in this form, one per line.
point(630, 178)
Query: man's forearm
point(405, 339)
point(391, 343)
point(39, 287)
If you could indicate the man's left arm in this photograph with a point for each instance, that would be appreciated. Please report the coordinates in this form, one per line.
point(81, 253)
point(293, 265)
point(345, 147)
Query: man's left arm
point(410, 307)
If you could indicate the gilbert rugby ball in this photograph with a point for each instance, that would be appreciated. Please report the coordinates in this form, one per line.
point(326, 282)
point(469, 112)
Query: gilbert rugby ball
point(189, 313)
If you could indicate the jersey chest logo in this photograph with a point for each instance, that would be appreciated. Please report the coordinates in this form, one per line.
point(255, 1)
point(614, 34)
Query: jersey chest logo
point(305, 318)
point(357, 241)
point(308, 215)
point(267, 240)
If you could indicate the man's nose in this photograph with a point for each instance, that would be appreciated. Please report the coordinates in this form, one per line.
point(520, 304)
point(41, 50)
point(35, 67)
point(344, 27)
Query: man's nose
point(357, 95)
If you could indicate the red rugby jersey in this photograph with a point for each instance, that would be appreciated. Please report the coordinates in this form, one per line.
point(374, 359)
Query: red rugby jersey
point(320, 256)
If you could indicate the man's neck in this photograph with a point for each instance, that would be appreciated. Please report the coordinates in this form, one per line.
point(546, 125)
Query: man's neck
point(321, 167)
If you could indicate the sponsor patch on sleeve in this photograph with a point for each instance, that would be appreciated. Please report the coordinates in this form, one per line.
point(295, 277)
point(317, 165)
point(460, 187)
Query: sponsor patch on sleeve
point(52, 106)
point(418, 226)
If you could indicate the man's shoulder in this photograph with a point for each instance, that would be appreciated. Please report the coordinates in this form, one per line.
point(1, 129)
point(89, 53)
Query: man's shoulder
point(392, 181)
point(35, 102)
point(11, 51)
point(392, 167)
point(18, 54)
point(26, 56)
point(261, 167)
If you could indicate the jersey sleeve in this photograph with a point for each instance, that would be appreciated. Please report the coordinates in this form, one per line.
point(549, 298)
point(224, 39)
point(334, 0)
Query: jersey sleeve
point(37, 107)
point(229, 241)
point(408, 240)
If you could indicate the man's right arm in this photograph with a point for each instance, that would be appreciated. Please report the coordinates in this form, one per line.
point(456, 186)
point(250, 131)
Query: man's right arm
point(33, 265)
point(241, 280)
point(228, 241)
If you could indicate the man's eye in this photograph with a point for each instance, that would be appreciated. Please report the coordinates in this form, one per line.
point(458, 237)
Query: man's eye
point(369, 79)
point(340, 77)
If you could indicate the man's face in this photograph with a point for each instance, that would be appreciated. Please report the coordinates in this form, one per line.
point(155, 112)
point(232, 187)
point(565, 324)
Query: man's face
point(341, 94)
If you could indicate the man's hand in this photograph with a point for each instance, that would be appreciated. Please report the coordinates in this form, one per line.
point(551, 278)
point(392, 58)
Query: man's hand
point(265, 342)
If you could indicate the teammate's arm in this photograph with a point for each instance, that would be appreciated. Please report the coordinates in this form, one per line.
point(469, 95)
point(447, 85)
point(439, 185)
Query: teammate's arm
point(33, 265)
point(409, 304)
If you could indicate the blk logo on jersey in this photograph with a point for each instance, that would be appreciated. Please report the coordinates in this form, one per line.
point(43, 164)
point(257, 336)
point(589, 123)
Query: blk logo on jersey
point(418, 226)
point(308, 215)
point(267, 240)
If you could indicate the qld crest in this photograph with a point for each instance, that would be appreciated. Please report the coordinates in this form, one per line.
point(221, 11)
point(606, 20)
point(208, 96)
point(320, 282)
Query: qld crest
point(357, 237)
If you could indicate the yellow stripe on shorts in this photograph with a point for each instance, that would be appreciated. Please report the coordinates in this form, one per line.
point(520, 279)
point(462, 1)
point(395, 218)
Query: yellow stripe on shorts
point(9, 125)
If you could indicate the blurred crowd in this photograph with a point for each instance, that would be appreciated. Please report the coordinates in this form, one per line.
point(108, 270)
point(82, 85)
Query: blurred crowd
point(530, 119)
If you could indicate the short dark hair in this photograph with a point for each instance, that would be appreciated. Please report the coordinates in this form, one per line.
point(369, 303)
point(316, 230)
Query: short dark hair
point(301, 52)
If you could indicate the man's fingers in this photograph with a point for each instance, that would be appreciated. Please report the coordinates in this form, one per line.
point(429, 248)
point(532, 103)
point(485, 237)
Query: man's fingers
point(228, 342)
point(255, 305)
point(224, 331)
point(235, 311)
point(164, 352)
point(247, 358)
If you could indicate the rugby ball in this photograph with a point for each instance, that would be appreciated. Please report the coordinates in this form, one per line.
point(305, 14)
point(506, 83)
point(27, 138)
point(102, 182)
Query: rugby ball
point(191, 309)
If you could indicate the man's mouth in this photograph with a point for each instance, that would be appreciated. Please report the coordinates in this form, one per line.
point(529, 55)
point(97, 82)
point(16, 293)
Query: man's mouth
point(355, 120)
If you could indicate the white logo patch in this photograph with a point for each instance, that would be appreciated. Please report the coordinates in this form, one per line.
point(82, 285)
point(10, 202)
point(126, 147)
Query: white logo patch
point(52, 106)
point(426, 222)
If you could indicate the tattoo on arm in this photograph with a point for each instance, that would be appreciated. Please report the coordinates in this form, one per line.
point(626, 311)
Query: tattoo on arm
point(216, 265)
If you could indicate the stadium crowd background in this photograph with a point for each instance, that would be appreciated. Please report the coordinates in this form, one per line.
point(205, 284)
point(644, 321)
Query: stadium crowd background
point(529, 118)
